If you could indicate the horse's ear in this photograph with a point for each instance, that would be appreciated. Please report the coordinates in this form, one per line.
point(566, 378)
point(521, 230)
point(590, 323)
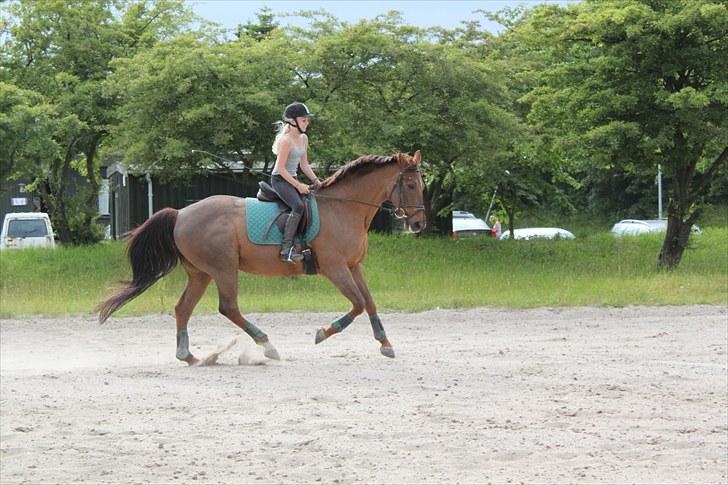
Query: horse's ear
point(418, 157)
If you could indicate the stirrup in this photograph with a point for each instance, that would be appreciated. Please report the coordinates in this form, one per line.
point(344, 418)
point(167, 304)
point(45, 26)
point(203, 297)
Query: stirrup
point(291, 256)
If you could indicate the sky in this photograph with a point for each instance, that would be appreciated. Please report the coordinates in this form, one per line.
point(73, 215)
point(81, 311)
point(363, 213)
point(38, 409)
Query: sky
point(420, 13)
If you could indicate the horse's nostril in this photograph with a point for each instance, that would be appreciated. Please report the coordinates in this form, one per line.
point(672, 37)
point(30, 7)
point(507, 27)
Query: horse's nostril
point(416, 227)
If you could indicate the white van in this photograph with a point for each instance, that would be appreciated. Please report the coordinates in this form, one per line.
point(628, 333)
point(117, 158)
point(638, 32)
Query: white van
point(27, 230)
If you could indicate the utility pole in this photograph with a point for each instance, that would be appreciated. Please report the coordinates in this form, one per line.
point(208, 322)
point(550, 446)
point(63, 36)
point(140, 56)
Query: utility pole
point(659, 191)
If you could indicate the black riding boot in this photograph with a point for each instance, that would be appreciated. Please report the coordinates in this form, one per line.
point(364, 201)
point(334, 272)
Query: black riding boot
point(288, 251)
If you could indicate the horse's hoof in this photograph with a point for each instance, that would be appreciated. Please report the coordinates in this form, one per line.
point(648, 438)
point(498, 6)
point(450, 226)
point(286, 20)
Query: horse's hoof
point(321, 335)
point(387, 351)
point(271, 352)
point(191, 360)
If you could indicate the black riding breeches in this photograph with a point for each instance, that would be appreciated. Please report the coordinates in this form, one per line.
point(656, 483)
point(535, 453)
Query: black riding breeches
point(288, 193)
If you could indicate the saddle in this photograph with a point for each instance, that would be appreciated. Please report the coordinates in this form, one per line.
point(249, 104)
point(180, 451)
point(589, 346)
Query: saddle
point(305, 231)
point(266, 193)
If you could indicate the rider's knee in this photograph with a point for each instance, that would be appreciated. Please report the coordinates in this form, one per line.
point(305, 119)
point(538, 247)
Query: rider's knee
point(297, 208)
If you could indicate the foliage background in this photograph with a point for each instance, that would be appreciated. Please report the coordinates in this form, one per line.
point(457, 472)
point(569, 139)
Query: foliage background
point(567, 112)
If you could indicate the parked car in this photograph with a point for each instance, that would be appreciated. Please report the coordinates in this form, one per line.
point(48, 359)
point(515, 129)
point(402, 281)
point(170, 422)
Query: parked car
point(26, 230)
point(466, 224)
point(634, 227)
point(538, 233)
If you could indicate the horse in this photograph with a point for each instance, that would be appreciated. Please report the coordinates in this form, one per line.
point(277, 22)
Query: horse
point(209, 238)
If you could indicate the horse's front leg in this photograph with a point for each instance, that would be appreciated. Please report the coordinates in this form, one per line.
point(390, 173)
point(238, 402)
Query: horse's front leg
point(344, 282)
point(379, 334)
point(352, 285)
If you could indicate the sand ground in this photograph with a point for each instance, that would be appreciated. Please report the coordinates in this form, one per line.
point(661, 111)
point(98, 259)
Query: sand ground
point(585, 395)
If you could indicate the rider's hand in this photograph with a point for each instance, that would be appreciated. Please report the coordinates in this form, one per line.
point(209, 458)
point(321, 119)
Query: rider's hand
point(302, 188)
point(317, 185)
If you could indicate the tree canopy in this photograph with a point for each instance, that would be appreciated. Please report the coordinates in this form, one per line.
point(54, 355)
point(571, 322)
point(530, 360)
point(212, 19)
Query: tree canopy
point(569, 108)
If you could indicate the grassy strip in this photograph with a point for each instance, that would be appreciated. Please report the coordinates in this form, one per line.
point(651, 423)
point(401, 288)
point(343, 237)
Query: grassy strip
point(404, 273)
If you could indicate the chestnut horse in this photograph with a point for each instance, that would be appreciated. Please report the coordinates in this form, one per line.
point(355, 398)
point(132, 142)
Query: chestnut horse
point(210, 239)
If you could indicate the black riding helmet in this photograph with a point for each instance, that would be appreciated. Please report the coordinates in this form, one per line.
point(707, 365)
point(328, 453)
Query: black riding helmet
point(293, 111)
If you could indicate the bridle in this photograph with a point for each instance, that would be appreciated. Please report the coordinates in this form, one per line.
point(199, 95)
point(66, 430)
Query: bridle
point(399, 211)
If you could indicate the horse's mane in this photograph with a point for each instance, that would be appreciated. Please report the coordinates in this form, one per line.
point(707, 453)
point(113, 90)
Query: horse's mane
point(356, 166)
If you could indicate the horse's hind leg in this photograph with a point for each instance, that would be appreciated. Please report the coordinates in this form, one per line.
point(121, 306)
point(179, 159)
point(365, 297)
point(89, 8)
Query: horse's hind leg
point(197, 282)
point(227, 287)
point(379, 334)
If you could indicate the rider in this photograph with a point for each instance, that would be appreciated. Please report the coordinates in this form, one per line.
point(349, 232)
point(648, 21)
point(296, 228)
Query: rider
point(291, 148)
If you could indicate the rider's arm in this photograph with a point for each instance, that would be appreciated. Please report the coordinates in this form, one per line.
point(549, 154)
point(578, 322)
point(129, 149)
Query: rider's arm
point(306, 167)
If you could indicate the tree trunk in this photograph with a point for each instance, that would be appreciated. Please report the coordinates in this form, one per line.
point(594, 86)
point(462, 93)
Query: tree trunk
point(436, 199)
point(511, 213)
point(56, 211)
point(682, 209)
point(508, 201)
point(676, 240)
point(53, 193)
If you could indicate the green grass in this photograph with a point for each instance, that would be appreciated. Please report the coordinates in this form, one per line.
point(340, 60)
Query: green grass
point(404, 273)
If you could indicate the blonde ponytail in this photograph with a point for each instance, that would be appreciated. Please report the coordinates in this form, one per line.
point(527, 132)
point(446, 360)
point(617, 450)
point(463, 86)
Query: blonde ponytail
point(283, 129)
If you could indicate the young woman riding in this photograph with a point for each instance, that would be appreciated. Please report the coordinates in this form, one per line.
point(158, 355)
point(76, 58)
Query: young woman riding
point(291, 148)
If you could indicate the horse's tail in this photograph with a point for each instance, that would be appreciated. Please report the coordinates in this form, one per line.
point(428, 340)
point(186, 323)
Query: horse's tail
point(152, 254)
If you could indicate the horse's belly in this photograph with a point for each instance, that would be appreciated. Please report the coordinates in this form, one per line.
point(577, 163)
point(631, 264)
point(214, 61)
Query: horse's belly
point(263, 260)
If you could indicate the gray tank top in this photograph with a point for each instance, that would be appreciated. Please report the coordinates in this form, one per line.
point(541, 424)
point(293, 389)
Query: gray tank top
point(294, 159)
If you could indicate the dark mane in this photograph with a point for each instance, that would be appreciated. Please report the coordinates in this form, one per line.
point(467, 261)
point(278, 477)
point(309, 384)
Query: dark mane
point(356, 166)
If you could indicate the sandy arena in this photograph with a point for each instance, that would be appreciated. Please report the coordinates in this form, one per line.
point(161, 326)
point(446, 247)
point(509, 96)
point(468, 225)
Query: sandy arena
point(631, 395)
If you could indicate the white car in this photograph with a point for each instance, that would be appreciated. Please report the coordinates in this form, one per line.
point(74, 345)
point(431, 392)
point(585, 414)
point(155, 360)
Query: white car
point(539, 233)
point(27, 230)
point(466, 224)
point(635, 227)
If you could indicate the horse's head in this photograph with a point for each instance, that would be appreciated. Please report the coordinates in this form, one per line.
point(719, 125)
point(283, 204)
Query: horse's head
point(407, 192)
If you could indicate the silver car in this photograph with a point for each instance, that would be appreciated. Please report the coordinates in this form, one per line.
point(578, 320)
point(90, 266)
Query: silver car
point(635, 227)
point(466, 224)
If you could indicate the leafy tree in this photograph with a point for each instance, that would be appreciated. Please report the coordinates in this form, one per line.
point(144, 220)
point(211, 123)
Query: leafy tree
point(32, 134)
point(385, 86)
point(633, 84)
point(62, 50)
point(261, 30)
point(194, 93)
point(375, 86)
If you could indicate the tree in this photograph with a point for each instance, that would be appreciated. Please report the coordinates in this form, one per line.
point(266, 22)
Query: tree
point(195, 93)
point(62, 50)
point(634, 84)
point(385, 86)
point(261, 30)
point(32, 133)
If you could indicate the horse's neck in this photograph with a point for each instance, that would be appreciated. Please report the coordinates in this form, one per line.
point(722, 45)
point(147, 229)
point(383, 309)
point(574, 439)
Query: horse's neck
point(372, 188)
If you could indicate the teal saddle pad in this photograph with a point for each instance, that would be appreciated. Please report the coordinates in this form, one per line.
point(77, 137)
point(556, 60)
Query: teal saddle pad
point(261, 226)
